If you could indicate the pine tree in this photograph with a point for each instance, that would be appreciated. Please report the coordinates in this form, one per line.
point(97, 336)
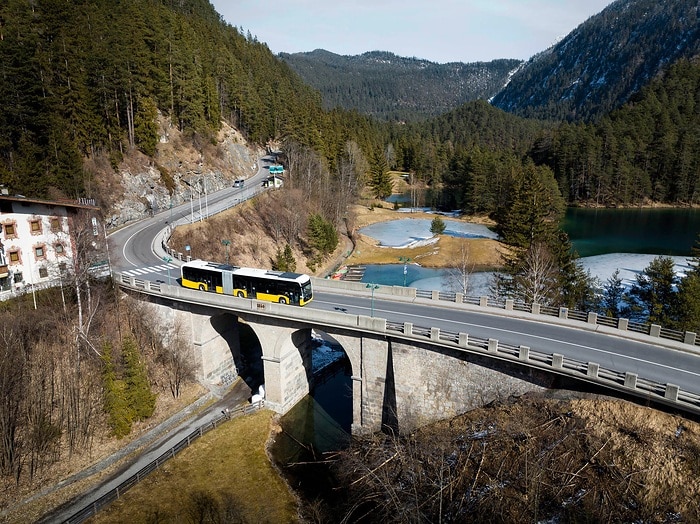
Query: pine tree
point(688, 305)
point(145, 126)
point(284, 260)
point(323, 236)
point(380, 181)
point(540, 264)
point(533, 209)
point(437, 226)
point(652, 297)
point(613, 292)
point(138, 389)
point(116, 403)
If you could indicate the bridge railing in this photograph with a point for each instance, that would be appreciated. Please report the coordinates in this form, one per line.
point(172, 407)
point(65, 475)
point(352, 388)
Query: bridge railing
point(627, 382)
point(623, 324)
point(620, 380)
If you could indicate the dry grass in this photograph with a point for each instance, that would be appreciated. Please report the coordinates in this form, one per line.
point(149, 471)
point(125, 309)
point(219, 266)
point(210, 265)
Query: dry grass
point(661, 451)
point(58, 483)
point(533, 459)
point(228, 462)
point(482, 254)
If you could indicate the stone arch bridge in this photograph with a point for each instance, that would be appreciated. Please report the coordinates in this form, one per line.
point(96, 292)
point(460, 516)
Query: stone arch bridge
point(402, 376)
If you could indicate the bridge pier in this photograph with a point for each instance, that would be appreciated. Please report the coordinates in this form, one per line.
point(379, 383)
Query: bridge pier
point(286, 355)
point(213, 338)
point(398, 386)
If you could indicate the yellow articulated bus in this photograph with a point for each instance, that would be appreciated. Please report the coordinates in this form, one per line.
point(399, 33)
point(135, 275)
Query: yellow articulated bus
point(245, 282)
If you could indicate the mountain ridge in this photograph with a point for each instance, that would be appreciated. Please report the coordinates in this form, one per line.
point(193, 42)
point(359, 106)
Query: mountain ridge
point(604, 61)
point(391, 87)
point(584, 75)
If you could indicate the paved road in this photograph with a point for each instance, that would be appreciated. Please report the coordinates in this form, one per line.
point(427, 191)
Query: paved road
point(137, 245)
point(647, 359)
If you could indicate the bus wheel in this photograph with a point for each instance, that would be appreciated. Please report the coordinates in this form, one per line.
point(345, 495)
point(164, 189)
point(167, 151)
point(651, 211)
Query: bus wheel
point(283, 300)
point(240, 294)
point(201, 287)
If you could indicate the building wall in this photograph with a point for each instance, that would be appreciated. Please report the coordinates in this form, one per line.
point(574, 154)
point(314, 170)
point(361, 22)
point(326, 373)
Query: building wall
point(36, 243)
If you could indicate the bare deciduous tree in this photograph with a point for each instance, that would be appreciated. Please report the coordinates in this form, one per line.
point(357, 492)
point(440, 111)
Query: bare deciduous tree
point(176, 358)
point(12, 394)
point(537, 281)
point(89, 250)
point(458, 277)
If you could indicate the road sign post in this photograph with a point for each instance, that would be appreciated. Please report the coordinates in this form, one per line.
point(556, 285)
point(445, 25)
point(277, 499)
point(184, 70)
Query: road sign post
point(167, 260)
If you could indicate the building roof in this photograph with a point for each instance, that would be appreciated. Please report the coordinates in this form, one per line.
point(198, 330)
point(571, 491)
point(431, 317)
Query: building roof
point(82, 203)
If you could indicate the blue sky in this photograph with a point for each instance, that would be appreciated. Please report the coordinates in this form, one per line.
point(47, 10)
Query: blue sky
point(438, 30)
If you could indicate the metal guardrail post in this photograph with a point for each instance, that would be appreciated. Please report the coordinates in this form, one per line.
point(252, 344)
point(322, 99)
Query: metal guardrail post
point(524, 353)
point(557, 361)
point(671, 392)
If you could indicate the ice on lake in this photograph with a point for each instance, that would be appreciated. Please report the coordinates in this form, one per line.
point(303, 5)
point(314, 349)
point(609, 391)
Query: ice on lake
point(409, 232)
point(629, 264)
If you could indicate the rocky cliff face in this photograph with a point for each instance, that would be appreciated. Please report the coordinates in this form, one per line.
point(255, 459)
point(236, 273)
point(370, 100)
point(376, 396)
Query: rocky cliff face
point(181, 169)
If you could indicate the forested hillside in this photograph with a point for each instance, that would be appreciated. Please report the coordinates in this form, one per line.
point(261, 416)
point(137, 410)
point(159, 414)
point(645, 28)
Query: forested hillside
point(88, 78)
point(394, 88)
point(604, 61)
point(647, 151)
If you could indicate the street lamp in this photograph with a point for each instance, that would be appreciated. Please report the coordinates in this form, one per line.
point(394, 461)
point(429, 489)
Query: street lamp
point(167, 260)
point(226, 243)
point(372, 287)
point(405, 261)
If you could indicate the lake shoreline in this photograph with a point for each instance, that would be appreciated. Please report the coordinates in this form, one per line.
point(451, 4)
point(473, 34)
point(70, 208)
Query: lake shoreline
point(484, 254)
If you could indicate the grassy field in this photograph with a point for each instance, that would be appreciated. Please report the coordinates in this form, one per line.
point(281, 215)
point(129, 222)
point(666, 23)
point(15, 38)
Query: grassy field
point(226, 475)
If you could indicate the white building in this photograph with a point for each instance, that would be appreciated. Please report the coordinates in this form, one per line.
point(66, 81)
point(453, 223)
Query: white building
point(36, 245)
point(273, 181)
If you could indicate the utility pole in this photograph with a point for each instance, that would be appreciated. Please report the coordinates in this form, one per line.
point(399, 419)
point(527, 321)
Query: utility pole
point(227, 243)
point(372, 287)
point(405, 261)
